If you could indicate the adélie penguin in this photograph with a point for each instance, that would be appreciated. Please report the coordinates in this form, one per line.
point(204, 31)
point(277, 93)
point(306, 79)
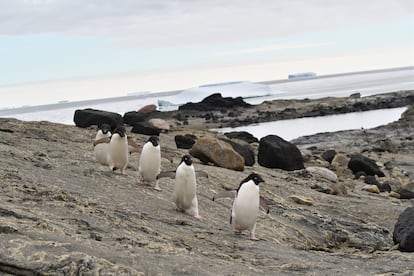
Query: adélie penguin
point(118, 150)
point(150, 161)
point(246, 204)
point(101, 150)
point(185, 188)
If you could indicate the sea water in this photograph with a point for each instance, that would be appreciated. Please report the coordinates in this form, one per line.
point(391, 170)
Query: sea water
point(294, 128)
point(365, 83)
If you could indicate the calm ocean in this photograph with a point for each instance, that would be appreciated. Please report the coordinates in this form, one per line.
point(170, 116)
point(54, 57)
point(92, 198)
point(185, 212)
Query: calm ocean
point(366, 83)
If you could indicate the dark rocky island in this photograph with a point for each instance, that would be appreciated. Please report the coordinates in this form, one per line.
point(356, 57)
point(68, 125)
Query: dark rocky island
point(61, 213)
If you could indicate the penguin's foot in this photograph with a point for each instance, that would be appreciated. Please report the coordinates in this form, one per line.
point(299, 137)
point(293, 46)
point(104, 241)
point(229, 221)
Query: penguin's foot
point(177, 208)
point(157, 187)
point(254, 238)
point(197, 216)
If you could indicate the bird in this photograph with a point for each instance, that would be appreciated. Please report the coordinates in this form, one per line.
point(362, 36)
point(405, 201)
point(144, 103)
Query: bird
point(185, 187)
point(101, 150)
point(150, 161)
point(118, 150)
point(246, 204)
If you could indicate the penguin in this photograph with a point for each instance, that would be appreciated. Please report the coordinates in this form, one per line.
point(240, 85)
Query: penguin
point(101, 150)
point(246, 204)
point(150, 161)
point(185, 187)
point(118, 150)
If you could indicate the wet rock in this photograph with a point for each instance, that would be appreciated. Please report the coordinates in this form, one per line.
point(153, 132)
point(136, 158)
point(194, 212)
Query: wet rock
point(145, 128)
point(275, 152)
point(183, 141)
point(329, 155)
point(242, 135)
point(362, 163)
point(132, 117)
point(404, 230)
point(89, 117)
point(222, 154)
point(323, 172)
point(160, 124)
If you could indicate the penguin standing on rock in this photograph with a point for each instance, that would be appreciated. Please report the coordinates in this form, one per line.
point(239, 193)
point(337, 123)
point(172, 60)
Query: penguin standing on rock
point(246, 204)
point(118, 150)
point(185, 188)
point(101, 150)
point(150, 161)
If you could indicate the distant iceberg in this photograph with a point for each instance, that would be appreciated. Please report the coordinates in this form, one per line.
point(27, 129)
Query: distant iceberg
point(244, 89)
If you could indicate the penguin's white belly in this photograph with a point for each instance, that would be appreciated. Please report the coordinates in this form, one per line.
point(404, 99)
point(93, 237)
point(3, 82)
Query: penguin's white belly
point(102, 153)
point(150, 162)
point(185, 189)
point(118, 151)
point(245, 208)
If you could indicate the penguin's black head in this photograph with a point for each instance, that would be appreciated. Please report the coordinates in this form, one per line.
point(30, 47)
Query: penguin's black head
point(187, 160)
point(105, 128)
point(121, 131)
point(154, 140)
point(255, 177)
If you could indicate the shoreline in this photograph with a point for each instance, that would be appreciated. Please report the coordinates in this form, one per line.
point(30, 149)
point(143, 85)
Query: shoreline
point(54, 106)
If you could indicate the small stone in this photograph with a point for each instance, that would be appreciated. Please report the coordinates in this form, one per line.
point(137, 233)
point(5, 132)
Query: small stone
point(394, 194)
point(301, 200)
point(371, 189)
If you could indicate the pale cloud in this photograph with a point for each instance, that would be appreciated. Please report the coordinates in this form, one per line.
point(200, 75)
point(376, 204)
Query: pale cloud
point(157, 23)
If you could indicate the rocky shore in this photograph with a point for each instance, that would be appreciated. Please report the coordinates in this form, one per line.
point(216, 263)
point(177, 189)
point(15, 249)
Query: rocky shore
point(62, 213)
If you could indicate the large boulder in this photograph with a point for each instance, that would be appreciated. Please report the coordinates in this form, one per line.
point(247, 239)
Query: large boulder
point(145, 128)
point(89, 117)
point(221, 153)
point(215, 102)
point(275, 152)
point(404, 230)
point(361, 163)
point(184, 141)
point(244, 150)
point(132, 117)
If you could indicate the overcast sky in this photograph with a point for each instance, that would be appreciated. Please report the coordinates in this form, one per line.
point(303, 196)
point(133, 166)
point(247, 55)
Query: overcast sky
point(133, 45)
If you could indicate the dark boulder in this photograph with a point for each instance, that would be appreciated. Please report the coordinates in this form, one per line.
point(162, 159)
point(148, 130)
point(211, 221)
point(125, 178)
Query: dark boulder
point(215, 102)
point(145, 128)
point(89, 117)
point(329, 155)
point(407, 191)
point(183, 142)
point(244, 150)
point(242, 135)
point(275, 152)
point(360, 163)
point(133, 117)
point(404, 230)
